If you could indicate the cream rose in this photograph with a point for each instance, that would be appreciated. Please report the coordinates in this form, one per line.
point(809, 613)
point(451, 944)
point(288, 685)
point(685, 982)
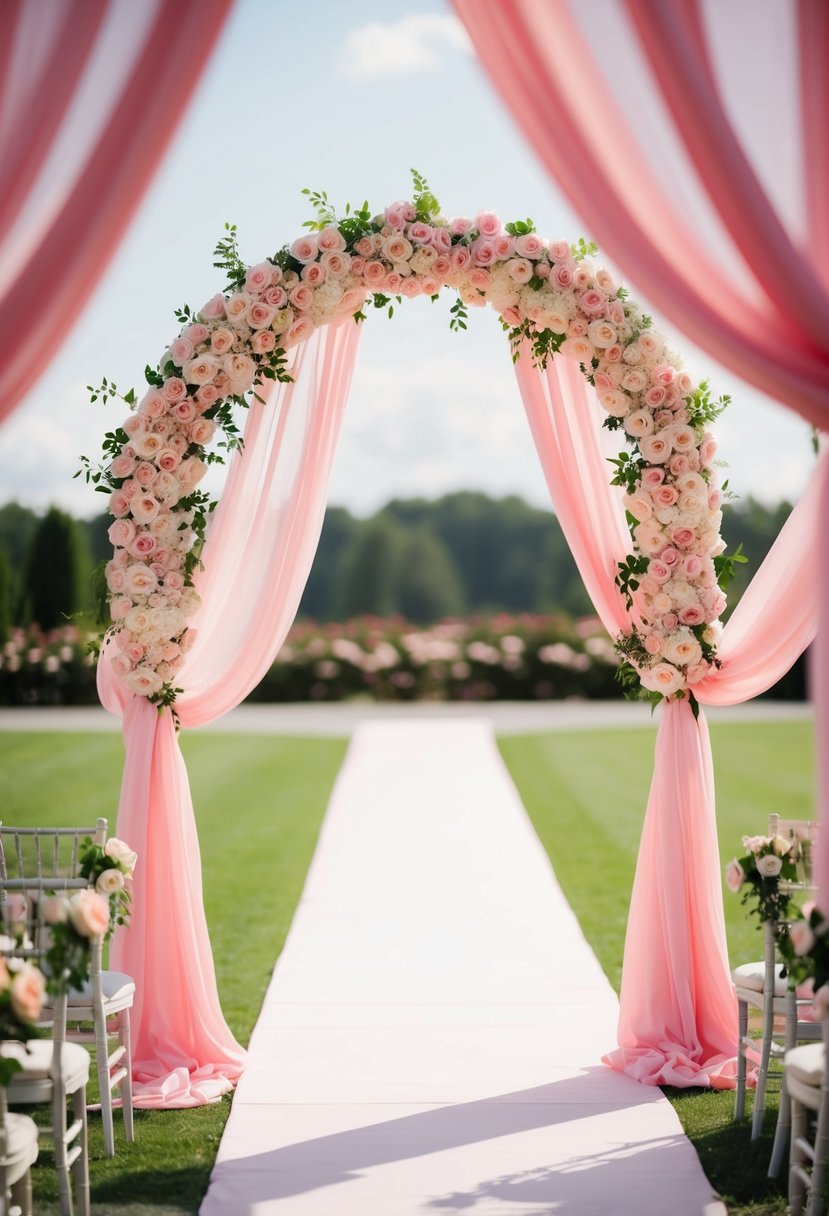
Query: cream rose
point(27, 989)
point(110, 882)
point(769, 866)
point(89, 914)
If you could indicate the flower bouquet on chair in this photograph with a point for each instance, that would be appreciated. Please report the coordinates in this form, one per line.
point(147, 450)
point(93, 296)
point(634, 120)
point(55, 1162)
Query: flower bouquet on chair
point(22, 986)
point(764, 875)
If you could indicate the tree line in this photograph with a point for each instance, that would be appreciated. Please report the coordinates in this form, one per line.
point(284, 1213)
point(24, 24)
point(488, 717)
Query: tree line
point(462, 554)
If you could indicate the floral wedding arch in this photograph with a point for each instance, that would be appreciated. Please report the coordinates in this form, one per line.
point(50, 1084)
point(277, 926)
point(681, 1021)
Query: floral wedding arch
point(656, 573)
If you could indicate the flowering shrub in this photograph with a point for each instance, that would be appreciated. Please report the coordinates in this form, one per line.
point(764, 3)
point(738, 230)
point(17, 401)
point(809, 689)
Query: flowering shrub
point(54, 668)
point(503, 657)
point(551, 299)
point(758, 875)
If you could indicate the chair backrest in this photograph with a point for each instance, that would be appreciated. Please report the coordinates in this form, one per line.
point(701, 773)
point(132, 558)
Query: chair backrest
point(805, 831)
point(30, 855)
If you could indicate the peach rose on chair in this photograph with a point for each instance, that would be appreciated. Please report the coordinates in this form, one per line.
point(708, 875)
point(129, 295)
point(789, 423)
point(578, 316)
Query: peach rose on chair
point(27, 989)
point(89, 914)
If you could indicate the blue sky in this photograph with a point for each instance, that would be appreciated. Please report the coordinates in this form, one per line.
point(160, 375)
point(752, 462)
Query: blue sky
point(346, 97)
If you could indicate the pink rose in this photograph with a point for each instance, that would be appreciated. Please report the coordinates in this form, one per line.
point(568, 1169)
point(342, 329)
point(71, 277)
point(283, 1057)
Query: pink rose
point(174, 389)
point(168, 460)
point(654, 396)
point(580, 351)
point(735, 875)
point(530, 245)
point(305, 248)
point(185, 411)
point(520, 270)
point(638, 424)
point(665, 496)
point(397, 249)
point(89, 913)
point(144, 473)
point(684, 439)
point(460, 225)
point(398, 214)
point(460, 257)
point(180, 351)
point(480, 278)
point(611, 400)
point(410, 288)
point(420, 233)
point(221, 340)
point(504, 246)
point(683, 538)
point(374, 271)
point(601, 334)
point(144, 682)
point(122, 466)
point(483, 252)
point(145, 508)
point(119, 608)
point(119, 504)
point(653, 644)
point(336, 264)
point(512, 316)
point(634, 379)
point(692, 566)
point(200, 370)
point(692, 615)
point(653, 477)
point(391, 282)
point(659, 570)
point(213, 309)
point(669, 556)
point(313, 274)
point(259, 315)
point(191, 472)
point(27, 989)
point(143, 544)
point(121, 532)
point(560, 251)
point(663, 374)
point(656, 449)
point(488, 223)
point(593, 302)
point(301, 330)
point(563, 276)
point(330, 240)
point(258, 278)
point(678, 465)
point(236, 305)
point(302, 297)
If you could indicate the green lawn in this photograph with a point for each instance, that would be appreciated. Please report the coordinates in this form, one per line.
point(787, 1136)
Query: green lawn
point(259, 804)
point(586, 793)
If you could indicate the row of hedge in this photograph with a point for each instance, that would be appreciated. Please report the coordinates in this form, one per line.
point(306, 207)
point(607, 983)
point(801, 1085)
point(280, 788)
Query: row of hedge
point(482, 659)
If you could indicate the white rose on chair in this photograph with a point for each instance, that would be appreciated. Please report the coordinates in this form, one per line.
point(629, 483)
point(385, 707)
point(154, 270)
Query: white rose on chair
point(110, 882)
point(122, 853)
point(770, 865)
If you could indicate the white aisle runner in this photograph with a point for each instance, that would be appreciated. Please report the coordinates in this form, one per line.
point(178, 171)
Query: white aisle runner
point(430, 1041)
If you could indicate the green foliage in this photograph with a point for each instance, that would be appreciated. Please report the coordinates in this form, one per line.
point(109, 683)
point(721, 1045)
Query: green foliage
point(702, 411)
point(426, 205)
point(369, 569)
point(460, 316)
point(227, 258)
point(630, 570)
point(725, 565)
point(6, 615)
point(628, 468)
point(324, 214)
point(520, 227)
point(584, 249)
point(426, 585)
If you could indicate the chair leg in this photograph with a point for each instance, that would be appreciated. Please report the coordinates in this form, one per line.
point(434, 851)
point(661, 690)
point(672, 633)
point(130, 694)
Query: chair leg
point(80, 1168)
point(126, 1085)
point(59, 1137)
point(102, 1063)
point(797, 1189)
point(742, 1032)
point(21, 1194)
point(763, 1072)
point(781, 1132)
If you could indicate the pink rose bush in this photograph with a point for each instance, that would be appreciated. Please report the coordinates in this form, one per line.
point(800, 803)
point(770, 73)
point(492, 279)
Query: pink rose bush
point(551, 298)
point(758, 874)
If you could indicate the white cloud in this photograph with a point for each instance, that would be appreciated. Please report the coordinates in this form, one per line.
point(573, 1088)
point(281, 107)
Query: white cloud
point(407, 47)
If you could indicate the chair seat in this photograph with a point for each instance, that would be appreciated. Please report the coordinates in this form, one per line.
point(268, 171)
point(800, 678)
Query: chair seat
point(36, 1059)
point(752, 976)
point(805, 1064)
point(21, 1146)
point(115, 985)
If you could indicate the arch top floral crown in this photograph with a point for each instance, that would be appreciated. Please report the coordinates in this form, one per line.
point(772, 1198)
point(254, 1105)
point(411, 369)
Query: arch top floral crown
point(549, 294)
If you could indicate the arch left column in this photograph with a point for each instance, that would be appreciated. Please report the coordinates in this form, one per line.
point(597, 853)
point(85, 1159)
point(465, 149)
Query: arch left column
point(257, 559)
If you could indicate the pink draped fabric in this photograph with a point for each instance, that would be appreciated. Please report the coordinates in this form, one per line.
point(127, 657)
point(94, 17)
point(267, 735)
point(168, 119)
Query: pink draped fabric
point(748, 278)
point(90, 97)
point(257, 559)
point(677, 1021)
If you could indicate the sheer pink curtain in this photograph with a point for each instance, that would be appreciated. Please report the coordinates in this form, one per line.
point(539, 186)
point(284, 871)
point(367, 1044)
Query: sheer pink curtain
point(257, 559)
point(702, 173)
point(91, 92)
point(677, 1016)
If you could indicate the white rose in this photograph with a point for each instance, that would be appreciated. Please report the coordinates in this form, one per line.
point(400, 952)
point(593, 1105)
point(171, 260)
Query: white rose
point(110, 882)
point(120, 853)
point(769, 866)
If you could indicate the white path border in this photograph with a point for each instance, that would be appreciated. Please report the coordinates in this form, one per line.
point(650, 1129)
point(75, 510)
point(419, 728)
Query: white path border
point(430, 1041)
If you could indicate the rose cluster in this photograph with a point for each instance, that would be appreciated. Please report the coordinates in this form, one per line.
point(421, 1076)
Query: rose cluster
point(540, 288)
point(758, 874)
